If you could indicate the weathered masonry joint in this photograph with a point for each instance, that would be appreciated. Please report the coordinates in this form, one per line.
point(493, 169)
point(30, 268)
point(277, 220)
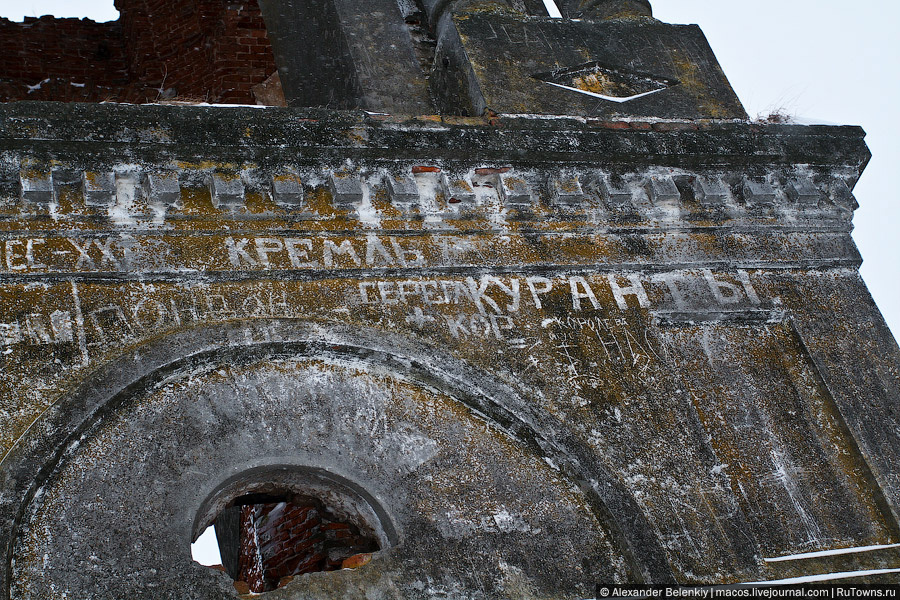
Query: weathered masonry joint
point(499, 306)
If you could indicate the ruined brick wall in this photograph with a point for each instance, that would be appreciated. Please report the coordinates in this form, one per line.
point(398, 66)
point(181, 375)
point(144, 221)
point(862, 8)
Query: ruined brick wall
point(279, 540)
point(242, 54)
point(199, 50)
point(61, 59)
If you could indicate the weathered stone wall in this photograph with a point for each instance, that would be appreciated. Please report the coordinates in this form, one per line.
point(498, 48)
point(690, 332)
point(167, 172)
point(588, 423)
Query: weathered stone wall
point(529, 355)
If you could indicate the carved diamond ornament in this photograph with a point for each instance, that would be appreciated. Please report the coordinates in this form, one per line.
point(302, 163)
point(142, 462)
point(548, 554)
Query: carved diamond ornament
point(606, 83)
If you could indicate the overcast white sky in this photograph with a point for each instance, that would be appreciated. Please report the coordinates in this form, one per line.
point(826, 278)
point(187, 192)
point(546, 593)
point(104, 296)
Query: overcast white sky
point(821, 59)
point(829, 60)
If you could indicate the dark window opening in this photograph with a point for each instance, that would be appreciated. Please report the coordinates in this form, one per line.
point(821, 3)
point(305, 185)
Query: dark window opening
point(267, 539)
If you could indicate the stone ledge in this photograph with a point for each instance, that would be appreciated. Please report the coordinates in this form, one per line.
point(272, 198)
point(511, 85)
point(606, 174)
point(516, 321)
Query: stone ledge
point(114, 132)
point(128, 194)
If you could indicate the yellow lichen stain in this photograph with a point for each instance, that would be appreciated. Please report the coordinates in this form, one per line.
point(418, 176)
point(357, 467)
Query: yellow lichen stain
point(197, 201)
point(457, 120)
point(155, 135)
point(628, 14)
point(599, 82)
point(358, 136)
point(258, 203)
point(690, 77)
point(484, 7)
point(319, 202)
point(68, 200)
point(33, 172)
point(382, 205)
point(209, 165)
point(710, 243)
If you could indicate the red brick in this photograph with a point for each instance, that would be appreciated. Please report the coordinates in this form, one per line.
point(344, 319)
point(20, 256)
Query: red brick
point(615, 125)
point(152, 40)
point(675, 127)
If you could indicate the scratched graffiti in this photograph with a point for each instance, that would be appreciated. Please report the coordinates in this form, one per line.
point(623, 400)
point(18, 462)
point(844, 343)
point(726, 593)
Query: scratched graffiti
point(94, 326)
point(490, 308)
point(586, 349)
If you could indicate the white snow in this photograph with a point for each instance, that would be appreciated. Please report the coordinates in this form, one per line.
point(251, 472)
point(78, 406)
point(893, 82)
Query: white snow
point(36, 87)
point(207, 104)
point(121, 213)
point(810, 121)
point(831, 552)
point(98, 11)
point(601, 96)
point(552, 9)
point(367, 213)
point(824, 577)
point(232, 105)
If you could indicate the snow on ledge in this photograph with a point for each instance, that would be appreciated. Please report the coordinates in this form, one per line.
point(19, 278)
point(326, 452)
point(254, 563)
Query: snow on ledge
point(831, 553)
point(823, 577)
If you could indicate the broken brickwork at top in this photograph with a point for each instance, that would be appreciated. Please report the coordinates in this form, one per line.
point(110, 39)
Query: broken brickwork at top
point(199, 50)
point(61, 59)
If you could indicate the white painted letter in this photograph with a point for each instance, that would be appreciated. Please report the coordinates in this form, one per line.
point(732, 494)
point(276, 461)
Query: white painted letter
point(670, 281)
point(266, 246)
point(574, 283)
point(363, 287)
point(748, 287)
point(375, 250)
point(29, 254)
point(296, 255)
point(106, 253)
point(512, 291)
point(345, 249)
point(546, 286)
point(407, 258)
point(456, 325)
point(477, 291)
point(83, 255)
point(385, 288)
point(725, 293)
point(500, 323)
point(237, 251)
point(11, 255)
point(635, 289)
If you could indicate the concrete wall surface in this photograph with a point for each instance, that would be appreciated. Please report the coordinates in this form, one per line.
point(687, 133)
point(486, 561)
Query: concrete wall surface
point(529, 355)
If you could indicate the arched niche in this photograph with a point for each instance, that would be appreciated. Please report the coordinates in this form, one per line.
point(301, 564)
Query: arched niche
point(161, 428)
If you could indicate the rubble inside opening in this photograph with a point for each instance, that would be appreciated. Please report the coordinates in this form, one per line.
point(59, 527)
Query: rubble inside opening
point(265, 540)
